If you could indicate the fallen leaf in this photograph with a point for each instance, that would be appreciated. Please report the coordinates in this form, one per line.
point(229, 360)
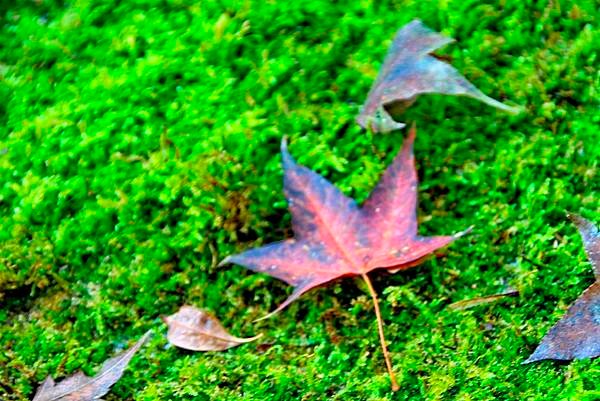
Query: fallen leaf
point(80, 387)
point(469, 303)
point(197, 330)
point(335, 238)
point(577, 334)
point(410, 70)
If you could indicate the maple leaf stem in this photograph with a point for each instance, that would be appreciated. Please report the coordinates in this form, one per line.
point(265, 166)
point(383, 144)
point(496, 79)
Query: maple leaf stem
point(386, 354)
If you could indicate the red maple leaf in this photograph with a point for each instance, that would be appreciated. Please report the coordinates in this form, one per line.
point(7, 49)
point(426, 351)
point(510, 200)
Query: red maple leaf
point(336, 238)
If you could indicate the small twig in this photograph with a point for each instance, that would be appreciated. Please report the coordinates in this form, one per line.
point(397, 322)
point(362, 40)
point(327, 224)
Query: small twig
point(386, 354)
point(533, 262)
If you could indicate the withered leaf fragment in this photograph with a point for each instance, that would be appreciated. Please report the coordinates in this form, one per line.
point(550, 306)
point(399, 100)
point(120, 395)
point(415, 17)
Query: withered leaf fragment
point(470, 303)
point(410, 70)
point(80, 387)
point(577, 334)
point(197, 330)
point(335, 238)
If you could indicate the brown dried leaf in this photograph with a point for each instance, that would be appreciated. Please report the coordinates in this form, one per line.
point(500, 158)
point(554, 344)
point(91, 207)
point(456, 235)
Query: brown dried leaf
point(196, 330)
point(80, 387)
point(577, 334)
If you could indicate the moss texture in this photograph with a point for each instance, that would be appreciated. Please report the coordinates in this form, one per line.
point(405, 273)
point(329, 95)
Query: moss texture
point(139, 147)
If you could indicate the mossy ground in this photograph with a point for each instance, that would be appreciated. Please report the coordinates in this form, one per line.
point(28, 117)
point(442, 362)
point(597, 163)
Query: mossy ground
point(139, 145)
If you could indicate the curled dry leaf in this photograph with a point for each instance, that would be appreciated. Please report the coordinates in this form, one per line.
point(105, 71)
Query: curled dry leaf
point(410, 70)
point(335, 238)
point(577, 334)
point(197, 330)
point(80, 387)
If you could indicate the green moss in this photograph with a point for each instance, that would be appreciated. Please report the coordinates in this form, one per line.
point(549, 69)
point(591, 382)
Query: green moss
point(139, 147)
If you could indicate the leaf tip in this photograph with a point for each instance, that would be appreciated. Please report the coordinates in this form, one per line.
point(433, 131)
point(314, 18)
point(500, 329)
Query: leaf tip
point(528, 360)
point(250, 339)
point(514, 109)
point(265, 317)
point(146, 336)
point(463, 233)
point(536, 356)
point(225, 261)
point(285, 155)
point(279, 308)
point(588, 230)
point(576, 218)
point(497, 104)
